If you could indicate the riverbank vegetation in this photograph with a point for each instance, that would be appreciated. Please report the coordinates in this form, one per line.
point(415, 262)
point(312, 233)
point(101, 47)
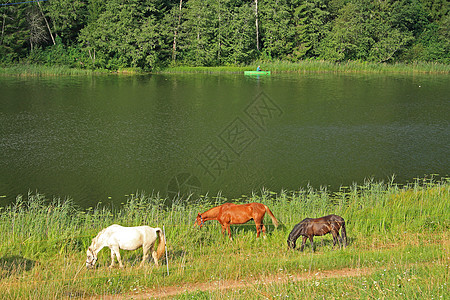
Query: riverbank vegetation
point(306, 66)
point(399, 240)
point(153, 35)
point(318, 66)
point(39, 70)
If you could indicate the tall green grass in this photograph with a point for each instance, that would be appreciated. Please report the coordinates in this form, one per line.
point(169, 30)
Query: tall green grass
point(371, 208)
point(43, 246)
point(314, 66)
point(276, 66)
point(41, 70)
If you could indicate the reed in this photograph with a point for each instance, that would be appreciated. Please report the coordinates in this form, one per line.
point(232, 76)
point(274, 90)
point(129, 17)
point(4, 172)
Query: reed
point(206, 70)
point(276, 66)
point(389, 226)
point(319, 66)
point(41, 70)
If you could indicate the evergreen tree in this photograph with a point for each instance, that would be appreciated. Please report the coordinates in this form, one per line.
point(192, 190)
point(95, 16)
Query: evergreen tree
point(276, 29)
point(15, 32)
point(115, 40)
point(238, 41)
point(310, 20)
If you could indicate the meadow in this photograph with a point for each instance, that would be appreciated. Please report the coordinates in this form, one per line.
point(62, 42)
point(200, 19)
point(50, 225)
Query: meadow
point(399, 242)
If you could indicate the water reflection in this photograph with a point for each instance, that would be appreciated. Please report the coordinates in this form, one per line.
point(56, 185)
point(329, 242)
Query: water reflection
point(91, 138)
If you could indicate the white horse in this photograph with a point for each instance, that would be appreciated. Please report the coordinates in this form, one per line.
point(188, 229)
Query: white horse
point(127, 238)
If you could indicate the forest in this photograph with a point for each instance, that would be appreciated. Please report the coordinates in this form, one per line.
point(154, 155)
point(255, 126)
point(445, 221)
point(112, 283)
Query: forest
point(152, 34)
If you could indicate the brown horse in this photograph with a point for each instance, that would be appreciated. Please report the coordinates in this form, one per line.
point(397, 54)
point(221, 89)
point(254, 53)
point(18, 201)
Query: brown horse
point(230, 213)
point(308, 228)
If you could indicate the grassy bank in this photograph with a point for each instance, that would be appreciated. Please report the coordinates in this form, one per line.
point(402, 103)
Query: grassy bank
point(306, 66)
point(400, 233)
point(314, 66)
point(40, 70)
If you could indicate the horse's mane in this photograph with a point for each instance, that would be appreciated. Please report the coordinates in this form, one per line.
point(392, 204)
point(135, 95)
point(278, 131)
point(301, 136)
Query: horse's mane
point(212, 211)
point(94, 240)
point(302, 226)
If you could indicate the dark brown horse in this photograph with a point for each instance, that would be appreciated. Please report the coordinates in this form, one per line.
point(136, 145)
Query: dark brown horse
point(308, 228)
point(230, 213)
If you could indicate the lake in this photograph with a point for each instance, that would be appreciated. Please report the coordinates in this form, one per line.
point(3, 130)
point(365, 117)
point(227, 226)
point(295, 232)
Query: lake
point(101, 138)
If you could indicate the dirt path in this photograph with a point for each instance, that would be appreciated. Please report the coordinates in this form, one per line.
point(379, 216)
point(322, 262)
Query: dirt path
point(239, 284)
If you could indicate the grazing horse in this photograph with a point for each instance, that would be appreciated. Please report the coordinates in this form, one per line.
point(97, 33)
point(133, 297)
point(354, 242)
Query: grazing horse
point(308, 228)
point(128, 238)
point(230, 213)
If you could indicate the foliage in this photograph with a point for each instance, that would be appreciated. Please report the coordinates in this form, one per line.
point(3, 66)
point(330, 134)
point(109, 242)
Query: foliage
point(150, 34)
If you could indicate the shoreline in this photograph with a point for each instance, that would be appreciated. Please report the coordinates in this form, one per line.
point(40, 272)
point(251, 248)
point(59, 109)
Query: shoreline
point(306, 66)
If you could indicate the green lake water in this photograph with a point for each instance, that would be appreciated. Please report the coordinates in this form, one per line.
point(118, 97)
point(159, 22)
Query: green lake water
point(101, 138)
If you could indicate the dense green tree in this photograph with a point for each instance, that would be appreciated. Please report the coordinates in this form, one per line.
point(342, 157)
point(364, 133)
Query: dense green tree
point(276, 30)
point(437, 9)
point(67, 18)
point(310, 20)
point(116, 39)
point(432, 45)
point(173, 20)
point(152, 33)
point(15, 33)
point(94, 9)
point(239, 41)
point(375, 31)
point(348, 38)
point(199, 42)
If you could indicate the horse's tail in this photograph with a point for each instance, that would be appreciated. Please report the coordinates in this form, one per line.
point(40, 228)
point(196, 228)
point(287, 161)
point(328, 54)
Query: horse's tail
point(274, 220)
point(162, 243)
point(344, 233)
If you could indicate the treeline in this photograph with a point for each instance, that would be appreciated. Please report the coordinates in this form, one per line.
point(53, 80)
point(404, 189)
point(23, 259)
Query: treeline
point(149, 34)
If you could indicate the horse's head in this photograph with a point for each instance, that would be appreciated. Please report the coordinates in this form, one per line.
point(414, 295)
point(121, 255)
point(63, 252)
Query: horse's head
point(291, 244)
point(91, 258)
point(199, 221)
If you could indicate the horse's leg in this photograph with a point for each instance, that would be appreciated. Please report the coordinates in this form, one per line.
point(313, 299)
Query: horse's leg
point(339, 240)
point(112, 258)
point(258, 228)
point(226, 227)
point(155, 257)
point(154, 254)
point(229, 232)
point(223, 229)
point(264, 230)
point(334, 233)
point(145, 249)
point(311, 240)
point(259, 222)
point(115, 250)
point(118, 257)
point(304, 238)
